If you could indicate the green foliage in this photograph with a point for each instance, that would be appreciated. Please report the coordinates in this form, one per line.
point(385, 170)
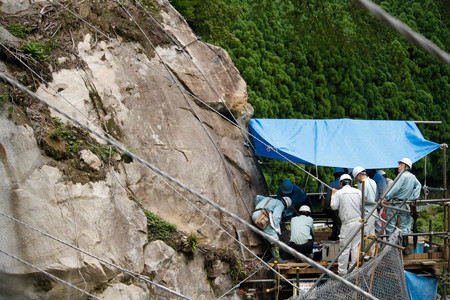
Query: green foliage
point(104, 152)
point(434, 214)
point(329, 59)
point(37, 50)
point(192, 242)
point(18, 30)
point(3, 98)
point(68, 135)
point(220, 251)
point(210, 18)
point(150, 5)
point(237, 272)
point(157, 227)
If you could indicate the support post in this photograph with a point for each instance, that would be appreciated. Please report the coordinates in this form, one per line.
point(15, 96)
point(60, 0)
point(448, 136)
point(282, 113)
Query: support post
point(276, 281)
point(363, 207)
point(446, 208)
point(430, 230)
point(297, 280)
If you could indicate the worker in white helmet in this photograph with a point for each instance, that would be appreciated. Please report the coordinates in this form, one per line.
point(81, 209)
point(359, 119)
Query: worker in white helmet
point(348, 201)
point(370, 198)
point(407, 187)
point(302, 231)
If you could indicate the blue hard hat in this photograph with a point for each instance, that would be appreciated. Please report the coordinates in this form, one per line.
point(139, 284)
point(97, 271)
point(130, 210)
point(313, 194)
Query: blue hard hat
point(338, 170)
point(287, 187)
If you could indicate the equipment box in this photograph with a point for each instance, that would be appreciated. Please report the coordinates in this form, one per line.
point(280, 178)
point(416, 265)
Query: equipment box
point(330, 249)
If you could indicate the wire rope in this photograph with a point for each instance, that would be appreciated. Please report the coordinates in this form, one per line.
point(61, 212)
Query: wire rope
point(184, 51)
point(54, 89)
point(218, 225)
point(131, 273)
point(191, 60)
point(414, 37)
point(192, 108)
point(197, 98)
point(151, 170)
point(194, 96)
point(161, 179)
point(193, 192)
point(48, 274)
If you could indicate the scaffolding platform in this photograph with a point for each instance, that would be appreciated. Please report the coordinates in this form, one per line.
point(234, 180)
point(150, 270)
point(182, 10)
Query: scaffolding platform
point(431, 262)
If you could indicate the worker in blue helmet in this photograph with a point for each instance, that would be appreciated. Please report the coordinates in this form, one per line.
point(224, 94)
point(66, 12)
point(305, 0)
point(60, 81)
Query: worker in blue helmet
point(296, 194)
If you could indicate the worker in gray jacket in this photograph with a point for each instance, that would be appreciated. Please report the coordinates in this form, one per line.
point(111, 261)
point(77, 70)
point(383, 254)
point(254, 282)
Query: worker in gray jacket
point(275, 208)
point(407, 187)
point(348, 201)
point(370, 196)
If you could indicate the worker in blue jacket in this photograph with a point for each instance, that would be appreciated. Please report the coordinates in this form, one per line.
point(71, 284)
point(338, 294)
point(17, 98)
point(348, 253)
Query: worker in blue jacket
point(276, 208)
point(407, 187)
point(297, 196)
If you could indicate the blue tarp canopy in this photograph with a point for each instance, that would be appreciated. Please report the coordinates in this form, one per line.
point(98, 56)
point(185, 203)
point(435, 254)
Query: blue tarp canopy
point(346, 143)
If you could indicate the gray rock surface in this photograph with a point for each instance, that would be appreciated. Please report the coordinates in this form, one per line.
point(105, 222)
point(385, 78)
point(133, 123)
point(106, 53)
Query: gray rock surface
point(150, 116)
point(177, 271)
point(14, 6)
point(96, 217)
point(90, 160)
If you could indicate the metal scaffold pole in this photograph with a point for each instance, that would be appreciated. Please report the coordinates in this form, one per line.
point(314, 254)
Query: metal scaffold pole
point(446, 208)
point(363, 207)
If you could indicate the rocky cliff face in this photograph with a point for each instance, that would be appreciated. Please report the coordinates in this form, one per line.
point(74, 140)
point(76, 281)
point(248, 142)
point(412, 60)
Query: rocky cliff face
point(62, 181)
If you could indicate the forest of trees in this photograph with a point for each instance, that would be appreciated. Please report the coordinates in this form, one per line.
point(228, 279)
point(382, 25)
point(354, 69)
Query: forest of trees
point(329, 59)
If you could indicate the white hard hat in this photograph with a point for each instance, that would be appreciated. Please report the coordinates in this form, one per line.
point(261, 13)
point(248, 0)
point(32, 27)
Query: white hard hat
point(406, 161)
point(287, 201)
point(345, 177)
point(305, 208)
point(357, 170)
point(381, 172)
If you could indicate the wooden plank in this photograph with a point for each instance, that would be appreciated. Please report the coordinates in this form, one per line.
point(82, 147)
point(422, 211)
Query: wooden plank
point(434, 255)
point(438, 265)
point(428, 262)
point(290, 268)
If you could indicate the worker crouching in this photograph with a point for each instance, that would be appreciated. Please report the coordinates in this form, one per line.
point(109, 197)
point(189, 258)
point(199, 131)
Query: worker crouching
point(302, 231)
point(275, 209)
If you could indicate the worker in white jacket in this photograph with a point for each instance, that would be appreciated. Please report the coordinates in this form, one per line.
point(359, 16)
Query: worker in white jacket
point(348, 201)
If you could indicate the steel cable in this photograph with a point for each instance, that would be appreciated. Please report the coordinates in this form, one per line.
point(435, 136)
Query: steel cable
point(193, 192)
